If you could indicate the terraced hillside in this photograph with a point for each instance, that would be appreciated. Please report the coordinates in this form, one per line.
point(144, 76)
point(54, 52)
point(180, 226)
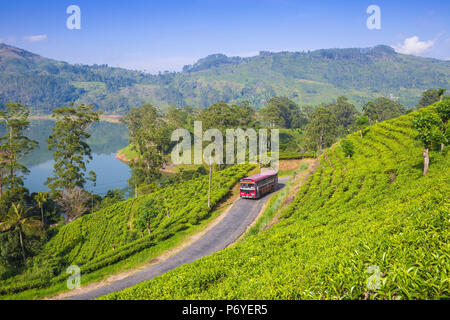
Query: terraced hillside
point(113, 234)
point(366, 227)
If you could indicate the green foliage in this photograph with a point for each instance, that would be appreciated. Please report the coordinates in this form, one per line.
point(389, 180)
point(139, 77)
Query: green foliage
point(374, 209)
point(383, 109)
point(344, 112)
point(69, 146)
point(429, 97)
point(361, 123)
point(151, 215)
point(112, 197)
point(14, 145)
point(284, 113)
point(348, 148)
point(149, 137)
point(113, 234)
point(291, 140)
point(41, 199)
point(18, 219)
point(443, 110)
point(321, 130)
point(223, 116)
point(429, 125)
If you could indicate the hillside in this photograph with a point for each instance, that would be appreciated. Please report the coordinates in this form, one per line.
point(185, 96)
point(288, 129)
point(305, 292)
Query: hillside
point(305, 77)
point(355, 219)
point(117, 234)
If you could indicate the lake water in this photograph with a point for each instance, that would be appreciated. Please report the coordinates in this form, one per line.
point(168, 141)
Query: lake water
point(106, 139)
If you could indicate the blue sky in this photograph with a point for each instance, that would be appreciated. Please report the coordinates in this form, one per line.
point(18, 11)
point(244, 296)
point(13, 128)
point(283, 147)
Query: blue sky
point(165, 35)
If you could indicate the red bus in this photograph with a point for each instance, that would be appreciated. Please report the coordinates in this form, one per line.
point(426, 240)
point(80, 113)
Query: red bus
point(256, 186)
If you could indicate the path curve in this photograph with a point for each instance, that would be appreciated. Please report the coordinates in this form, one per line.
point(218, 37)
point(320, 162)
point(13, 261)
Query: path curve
point(226, 232)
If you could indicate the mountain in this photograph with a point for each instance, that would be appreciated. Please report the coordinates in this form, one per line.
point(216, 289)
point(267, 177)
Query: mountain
point(305, 77)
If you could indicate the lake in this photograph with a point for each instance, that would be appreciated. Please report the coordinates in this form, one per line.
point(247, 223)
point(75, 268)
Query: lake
point(106, 139)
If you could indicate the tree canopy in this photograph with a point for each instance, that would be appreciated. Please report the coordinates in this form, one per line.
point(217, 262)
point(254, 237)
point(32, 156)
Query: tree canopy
point(69, 146)
point(383, 109)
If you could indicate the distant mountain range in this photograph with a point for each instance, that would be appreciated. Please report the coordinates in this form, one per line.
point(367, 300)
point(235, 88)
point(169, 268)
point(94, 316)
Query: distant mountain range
point(305, 77)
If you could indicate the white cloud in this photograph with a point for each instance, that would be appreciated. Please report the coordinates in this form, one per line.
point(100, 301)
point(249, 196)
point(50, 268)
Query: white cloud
point(414, 46)
point(36, 38)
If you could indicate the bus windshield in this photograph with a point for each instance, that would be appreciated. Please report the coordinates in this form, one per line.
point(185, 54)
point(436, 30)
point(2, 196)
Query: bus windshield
point(247, 186)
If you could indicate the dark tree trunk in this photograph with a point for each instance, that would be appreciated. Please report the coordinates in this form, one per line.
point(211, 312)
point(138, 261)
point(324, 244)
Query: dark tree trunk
point(426, 161)
point(42, 214)
point(21, 245)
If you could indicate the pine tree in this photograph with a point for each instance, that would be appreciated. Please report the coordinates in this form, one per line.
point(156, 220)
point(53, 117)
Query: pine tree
point(69, 146)
point(14, 145)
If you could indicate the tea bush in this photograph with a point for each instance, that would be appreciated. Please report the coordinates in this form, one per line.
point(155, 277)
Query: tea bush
point(371, 216)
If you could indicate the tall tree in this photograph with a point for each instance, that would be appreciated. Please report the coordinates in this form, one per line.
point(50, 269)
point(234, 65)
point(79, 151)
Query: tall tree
point(428, 124)
point(383, 109)
point(149, 135)
point(41, 199)
point(348, 148)
point(441, 94)
point(245, 115)
point(219, 116)
point(69, 146)
point(14, 145)
point(443, 110)
point(429, 97)
point(178, 117)
point(321, 130)
point(282, 112)
point(361, 123)
point(344, 112)
point(18, 218)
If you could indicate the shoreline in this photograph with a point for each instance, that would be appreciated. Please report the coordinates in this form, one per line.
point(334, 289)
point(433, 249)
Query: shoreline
point(121, 157)
point(167, 167)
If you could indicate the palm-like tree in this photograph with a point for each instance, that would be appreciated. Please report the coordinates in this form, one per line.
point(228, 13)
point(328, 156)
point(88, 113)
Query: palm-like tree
point(41, 199)
point(18, 219)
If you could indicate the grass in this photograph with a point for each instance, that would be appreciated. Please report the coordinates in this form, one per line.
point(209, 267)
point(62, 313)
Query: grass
point(374, 210)
point(128, 153)
point(275, 203)
point(133, 262)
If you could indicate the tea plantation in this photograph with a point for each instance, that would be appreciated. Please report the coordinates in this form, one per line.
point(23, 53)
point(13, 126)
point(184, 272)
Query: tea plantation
point(115, 233)
point(366, 227)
